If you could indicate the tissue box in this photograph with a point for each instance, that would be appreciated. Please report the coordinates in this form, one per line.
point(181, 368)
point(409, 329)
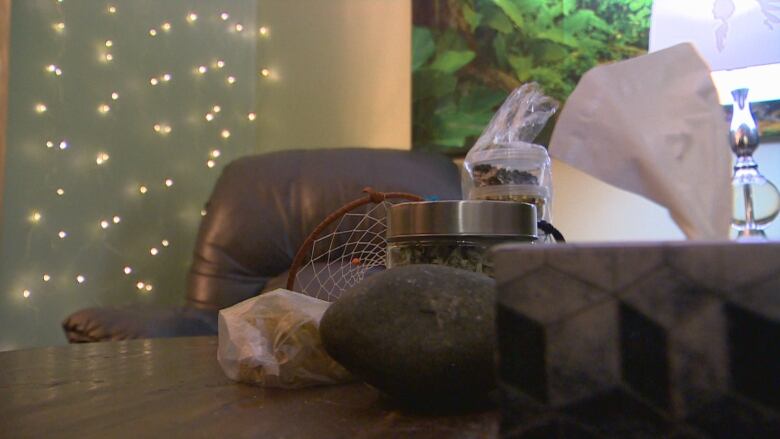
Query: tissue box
point(647, 340)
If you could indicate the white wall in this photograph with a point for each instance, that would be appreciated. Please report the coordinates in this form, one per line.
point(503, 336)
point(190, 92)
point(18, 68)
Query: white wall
point(586, 209)
point(339, 74)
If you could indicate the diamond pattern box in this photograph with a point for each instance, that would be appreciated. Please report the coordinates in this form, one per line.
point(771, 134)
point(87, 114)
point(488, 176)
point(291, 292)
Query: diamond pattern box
point(671, 340)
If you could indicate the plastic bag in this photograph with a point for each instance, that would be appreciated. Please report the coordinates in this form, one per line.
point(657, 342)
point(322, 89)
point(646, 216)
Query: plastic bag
point(503, 164)
point(273, 340)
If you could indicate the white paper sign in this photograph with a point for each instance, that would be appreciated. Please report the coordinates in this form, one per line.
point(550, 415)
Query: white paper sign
point(729, 34)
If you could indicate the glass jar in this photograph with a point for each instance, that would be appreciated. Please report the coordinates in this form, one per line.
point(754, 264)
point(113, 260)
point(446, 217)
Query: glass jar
point(456, 233)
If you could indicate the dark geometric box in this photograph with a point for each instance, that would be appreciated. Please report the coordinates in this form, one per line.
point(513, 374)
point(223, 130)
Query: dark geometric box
point(642, 340)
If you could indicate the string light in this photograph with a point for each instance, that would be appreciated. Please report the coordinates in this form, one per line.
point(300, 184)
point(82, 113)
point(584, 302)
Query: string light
point(165, 77)
point(265, 73)
point(106, 104)
point(51, 68)
point(162, 128)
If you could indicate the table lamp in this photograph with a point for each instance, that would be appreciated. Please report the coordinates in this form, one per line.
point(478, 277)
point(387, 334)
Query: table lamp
point(741, 41)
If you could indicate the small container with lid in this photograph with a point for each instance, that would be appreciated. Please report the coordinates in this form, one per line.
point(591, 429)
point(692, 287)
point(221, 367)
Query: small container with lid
point(518, 171)
point(456, 233)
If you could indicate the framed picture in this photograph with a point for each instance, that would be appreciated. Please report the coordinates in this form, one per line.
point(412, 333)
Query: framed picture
point(469, 54)
point(768, 116)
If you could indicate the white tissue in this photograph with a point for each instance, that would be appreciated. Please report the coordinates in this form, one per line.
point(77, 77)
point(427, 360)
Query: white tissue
point(653, 125)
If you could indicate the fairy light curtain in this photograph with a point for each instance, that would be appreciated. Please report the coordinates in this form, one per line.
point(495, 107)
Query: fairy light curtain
point(121, 115)
point(5, 21)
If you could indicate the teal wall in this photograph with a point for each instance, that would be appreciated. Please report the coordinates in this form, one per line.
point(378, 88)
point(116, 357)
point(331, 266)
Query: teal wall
point(134, 153)
point(338, 75)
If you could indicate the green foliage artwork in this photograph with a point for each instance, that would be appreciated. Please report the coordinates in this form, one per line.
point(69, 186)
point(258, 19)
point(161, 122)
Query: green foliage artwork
point(469, 54)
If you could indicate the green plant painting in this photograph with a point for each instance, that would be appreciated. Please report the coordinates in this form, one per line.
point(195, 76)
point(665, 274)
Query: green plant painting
point(469, 54)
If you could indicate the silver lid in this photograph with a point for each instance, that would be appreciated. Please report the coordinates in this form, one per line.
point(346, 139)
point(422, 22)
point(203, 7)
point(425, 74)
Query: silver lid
point(462, 218)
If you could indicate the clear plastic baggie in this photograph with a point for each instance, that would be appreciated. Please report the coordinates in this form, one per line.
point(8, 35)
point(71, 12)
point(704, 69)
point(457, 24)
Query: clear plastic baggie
point(503, 165)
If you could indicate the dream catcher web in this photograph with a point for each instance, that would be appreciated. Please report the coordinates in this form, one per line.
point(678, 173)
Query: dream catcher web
point(345, 248)
point(342, 258)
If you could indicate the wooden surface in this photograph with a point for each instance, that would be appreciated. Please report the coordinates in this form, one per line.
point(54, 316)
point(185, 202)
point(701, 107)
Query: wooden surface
point(175, 388)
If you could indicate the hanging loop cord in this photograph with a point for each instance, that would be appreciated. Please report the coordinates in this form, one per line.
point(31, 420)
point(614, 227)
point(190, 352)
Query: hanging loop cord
point(549, 229)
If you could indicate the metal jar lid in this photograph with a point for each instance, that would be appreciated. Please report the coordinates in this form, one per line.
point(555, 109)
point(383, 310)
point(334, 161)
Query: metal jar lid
point(462, 218)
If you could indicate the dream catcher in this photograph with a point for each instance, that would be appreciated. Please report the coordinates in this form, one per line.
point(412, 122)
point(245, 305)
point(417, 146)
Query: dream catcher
point(345, 247)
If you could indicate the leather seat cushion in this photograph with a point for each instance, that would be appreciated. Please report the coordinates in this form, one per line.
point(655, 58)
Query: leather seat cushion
point(264, 206)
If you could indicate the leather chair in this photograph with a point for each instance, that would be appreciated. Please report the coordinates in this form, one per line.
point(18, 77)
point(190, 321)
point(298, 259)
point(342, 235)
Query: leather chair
point(260, 211)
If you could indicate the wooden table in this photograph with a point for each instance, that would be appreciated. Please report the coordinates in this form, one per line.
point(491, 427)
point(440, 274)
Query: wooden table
point(175, 388)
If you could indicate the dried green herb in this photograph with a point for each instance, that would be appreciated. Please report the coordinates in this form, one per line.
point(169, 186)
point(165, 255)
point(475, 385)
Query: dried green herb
point(456, 254)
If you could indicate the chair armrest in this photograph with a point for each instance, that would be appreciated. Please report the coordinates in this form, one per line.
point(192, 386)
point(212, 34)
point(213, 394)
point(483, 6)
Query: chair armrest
point(103, 324)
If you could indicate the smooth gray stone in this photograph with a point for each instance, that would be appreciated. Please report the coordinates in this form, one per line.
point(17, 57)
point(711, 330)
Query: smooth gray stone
point(419, 333)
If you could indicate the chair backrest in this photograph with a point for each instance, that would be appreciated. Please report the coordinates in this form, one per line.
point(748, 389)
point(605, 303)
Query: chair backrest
point(263, 207)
